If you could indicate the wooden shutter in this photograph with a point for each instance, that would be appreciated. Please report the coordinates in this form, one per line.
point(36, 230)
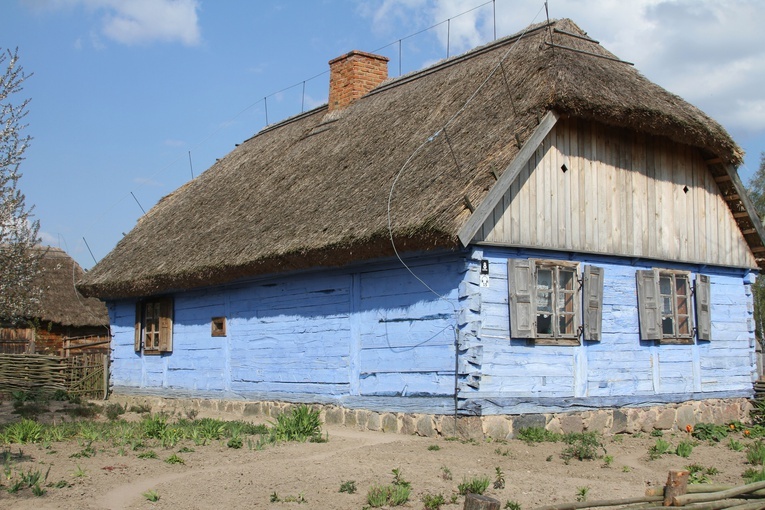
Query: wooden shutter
point(703, 312)
point(137, 337)
point(166, 324)
point(522, 297)
point(593, 302)
point(649, 305)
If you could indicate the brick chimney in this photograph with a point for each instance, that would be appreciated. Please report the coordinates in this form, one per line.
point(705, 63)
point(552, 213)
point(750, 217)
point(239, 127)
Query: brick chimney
point(354, 74)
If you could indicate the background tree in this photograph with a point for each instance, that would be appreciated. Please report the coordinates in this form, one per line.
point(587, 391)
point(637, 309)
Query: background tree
point(756, 191)
point(19, 251)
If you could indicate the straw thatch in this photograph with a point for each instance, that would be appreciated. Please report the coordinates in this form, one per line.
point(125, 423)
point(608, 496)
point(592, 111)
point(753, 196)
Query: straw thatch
point(314, 189)
point(60, 302)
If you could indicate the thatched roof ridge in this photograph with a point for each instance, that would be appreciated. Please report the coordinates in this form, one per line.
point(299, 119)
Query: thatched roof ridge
point(60, 302)
point(313, 190)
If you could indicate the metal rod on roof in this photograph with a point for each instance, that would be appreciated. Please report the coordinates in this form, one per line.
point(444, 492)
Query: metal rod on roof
point(494, 10)
point(137, 202)
point(448, 35)
point(302, 101)
point(191, 167)
point(91, 253)
point(265, 103)
point(399, 57)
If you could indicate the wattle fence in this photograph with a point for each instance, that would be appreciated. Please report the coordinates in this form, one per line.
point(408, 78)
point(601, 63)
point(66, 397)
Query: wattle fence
point(84, 375)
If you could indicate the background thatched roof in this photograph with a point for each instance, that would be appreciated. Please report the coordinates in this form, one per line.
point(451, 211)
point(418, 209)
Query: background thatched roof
point(313, 190)
point(60, 302)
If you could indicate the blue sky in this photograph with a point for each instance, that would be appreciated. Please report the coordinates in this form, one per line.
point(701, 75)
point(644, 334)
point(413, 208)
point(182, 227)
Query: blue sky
point(123, 90)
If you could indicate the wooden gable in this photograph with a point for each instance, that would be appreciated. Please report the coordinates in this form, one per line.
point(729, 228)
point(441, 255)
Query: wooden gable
point(597, 189)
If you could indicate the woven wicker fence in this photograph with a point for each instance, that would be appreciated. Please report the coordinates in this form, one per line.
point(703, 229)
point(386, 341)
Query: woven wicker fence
point(79, 375)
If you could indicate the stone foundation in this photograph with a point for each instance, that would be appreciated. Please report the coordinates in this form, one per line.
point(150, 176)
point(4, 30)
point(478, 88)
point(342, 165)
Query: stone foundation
point(605, 421)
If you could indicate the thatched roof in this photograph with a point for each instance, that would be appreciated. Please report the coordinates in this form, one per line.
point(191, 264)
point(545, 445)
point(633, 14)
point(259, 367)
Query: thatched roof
point(313, 190)
point(60, 302)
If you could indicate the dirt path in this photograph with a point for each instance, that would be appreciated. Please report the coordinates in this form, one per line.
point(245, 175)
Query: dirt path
point(215, 476)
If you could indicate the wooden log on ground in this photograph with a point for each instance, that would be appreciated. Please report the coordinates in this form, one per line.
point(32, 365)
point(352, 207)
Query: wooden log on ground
point(693, 488)
point(602, 502)
point(730, 493)
point(677, 485)
point(722, 504)
point(479, 502)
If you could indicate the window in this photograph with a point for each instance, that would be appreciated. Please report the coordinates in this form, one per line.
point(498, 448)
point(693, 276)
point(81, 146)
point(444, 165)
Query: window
point(154, 326)
point(218, 326)
point(551, 304)
point(665, 304)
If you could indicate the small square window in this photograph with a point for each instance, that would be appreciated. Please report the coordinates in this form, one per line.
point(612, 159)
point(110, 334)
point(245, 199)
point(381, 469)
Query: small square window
point(218, 326)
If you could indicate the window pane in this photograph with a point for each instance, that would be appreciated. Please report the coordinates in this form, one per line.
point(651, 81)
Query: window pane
point(681, 285)
point(544, 324)
point(683, 325)
point(567, 279)
point(682, 305)
point(665, 285)
point(544, 290)
point(667, 327)
point(566, 324)
point(666, 305)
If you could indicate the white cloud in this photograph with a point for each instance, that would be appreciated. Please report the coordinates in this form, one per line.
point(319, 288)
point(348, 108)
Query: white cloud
point(135, 22)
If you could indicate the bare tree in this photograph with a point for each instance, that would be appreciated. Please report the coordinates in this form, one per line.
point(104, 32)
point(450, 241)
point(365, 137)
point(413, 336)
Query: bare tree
point(19, 251)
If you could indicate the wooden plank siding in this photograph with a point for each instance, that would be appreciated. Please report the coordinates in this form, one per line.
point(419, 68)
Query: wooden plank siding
point(365, 333)
point(621, 194)
point(621, 367)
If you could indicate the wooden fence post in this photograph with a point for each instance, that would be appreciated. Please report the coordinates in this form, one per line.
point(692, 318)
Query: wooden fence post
point(677, 485)
point(105, 360)
point(479, 502)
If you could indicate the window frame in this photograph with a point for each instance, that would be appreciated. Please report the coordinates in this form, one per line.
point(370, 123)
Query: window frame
point(652, 300)
point(556, 337)
point(154, 320)
point(523, 294)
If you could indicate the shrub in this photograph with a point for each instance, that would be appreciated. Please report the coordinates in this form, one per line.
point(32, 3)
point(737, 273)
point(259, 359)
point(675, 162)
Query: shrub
point(476, 485)
point(755, 453)
point(538, 435)
point(391, 495)
point(113, 411)
point(349, 486)
point(433, 501)
point(658, 449)
point(582, 446)
point(684, 449)
point(710, 432)
point(301, 424)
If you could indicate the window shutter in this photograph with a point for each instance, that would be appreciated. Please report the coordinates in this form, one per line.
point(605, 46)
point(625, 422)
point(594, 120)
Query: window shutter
point(703, 312)
point(649, 310)
point(137, 337)
point(166, 324)
point(593, 302)
point(522, 296)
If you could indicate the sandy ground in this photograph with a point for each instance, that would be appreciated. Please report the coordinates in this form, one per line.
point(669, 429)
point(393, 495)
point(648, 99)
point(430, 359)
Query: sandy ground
point(215, 476)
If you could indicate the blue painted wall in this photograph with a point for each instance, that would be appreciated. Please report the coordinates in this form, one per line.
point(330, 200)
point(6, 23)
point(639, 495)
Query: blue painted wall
point(376, 337)
point(621, 369)
point(373, 332)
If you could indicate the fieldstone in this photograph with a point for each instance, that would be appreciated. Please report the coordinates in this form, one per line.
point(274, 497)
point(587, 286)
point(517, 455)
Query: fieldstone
point(470, 427)
point(373, 421)
point(252, 409)
point(389, 423)
point(445, 426)
point(408, 425)
point(571, 423)
point(362, 417)
point(523, 421)
point(553, 425)
point(496, 427)
point(350, 418)
point(598, 421)
point(425, 426)
point(619, 424)
point(334, 415)
point(685, 416)
point(665, 420)
point(648, 419)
